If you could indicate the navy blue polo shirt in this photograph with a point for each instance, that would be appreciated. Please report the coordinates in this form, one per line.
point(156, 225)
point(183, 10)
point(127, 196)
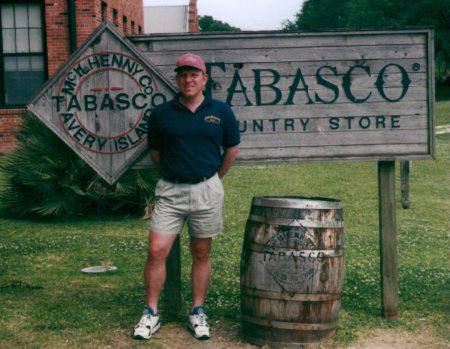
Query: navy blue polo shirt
point(191, 144)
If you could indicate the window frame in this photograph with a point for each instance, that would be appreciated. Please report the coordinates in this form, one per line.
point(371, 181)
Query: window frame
point(4, 56)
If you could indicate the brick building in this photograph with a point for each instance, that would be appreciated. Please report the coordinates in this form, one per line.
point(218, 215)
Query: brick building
point(38, 36)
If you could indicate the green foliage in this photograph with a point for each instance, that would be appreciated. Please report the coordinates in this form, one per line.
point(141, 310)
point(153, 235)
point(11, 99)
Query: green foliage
point(442, 107)
point(318, 14)
point(331, 14)
point(209, 24)
point(443, 94)
point(44, 177)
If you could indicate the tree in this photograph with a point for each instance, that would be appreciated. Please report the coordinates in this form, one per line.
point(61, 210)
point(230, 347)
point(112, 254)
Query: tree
point(209, 24)
point(332, 14)
point(318, 14)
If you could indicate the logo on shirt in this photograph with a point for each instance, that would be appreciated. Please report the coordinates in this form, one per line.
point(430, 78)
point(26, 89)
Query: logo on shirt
point(213, 119)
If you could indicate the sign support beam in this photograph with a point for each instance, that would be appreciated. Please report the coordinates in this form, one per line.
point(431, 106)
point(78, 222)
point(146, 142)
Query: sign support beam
point(172, 288)
point(405, 169)
point(388, 239)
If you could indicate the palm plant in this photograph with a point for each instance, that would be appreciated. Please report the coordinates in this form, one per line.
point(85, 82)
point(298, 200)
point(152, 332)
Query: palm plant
point(44, 177)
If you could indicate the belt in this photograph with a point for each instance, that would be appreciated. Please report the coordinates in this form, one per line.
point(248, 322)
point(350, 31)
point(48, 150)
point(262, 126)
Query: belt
point(186, 180)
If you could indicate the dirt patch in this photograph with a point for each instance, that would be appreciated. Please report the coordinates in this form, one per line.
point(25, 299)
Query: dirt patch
point(223, 337)
point(173, 336)
point(394, 339)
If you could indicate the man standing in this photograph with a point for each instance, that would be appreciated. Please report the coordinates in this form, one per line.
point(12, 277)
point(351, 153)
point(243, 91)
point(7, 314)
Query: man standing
point(194, 141)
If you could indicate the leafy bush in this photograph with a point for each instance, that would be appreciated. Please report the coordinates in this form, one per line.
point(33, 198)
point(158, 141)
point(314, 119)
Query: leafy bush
point(44, 177)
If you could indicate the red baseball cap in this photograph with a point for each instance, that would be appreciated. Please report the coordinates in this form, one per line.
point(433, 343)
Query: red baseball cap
point(190, 60)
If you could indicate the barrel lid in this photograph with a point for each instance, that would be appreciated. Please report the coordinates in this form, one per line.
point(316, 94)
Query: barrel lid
point(297, 202)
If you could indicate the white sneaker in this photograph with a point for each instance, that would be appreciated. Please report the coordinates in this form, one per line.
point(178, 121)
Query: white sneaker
point(198, 326)
point(148, 325)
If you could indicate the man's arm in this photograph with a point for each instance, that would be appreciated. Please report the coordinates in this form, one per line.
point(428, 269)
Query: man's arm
point(154, 154)
point(229, 156)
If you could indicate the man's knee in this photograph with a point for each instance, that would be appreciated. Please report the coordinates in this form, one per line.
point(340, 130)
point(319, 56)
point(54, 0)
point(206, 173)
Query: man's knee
point(201, 249)
point(159, 245)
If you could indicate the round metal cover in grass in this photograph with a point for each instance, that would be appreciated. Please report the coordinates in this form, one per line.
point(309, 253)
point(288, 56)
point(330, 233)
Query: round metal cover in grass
point(99, 269)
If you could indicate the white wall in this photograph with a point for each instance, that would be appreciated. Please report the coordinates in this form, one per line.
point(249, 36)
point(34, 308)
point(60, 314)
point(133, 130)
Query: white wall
point(166, 19)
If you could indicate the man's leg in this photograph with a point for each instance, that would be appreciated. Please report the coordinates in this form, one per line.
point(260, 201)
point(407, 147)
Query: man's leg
point(154, 276)
point(155, 267)
point(200, 275)
point(201, 269)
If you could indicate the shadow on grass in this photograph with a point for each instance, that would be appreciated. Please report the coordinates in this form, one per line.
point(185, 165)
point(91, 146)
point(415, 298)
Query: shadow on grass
point(442, 93)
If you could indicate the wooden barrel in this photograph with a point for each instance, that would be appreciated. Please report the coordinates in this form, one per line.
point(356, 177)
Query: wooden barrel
point(292, 270)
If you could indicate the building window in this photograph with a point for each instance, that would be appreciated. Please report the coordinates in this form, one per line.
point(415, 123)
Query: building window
point(133, 27)
point(115, 18)
point(22, 56)
point(125, 24)
point(104, 10)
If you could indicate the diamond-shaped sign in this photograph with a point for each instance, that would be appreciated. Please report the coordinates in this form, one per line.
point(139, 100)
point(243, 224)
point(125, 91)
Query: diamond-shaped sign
point(100, 101)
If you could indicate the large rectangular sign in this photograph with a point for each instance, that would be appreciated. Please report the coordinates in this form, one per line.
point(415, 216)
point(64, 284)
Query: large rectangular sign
point(356, 95)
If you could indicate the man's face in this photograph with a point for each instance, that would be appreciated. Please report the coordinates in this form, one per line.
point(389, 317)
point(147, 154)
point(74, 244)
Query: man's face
point(191, 82)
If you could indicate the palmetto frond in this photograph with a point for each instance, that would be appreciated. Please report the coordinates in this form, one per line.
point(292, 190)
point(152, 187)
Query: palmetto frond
point(44, 177)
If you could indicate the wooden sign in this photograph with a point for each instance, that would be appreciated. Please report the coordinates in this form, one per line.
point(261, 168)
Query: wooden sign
point(356, 95)
point(100, 101)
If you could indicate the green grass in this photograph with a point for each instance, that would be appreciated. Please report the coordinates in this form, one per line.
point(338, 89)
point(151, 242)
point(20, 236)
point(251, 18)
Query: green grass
point(46, 302)
point(442, 111)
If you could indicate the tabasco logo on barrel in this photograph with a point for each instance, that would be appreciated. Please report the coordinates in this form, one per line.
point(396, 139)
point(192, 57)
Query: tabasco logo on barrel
point(100, 102)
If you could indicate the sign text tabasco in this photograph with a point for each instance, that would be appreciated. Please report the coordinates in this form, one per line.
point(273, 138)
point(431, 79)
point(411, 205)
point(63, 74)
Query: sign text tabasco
point(322, 96)
point(100, 102)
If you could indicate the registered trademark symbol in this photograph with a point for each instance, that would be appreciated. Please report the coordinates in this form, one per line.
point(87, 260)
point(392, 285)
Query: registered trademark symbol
point(416, 66)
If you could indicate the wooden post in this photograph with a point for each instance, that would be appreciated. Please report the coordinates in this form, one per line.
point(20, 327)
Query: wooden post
point(172, 287)
point(405, 169)
point(388, 238)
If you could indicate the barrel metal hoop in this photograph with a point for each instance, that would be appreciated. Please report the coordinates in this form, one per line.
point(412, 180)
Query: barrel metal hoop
point(299, 202)
point(301, 297)
point(288, 252)
point(277, 344)
point(292, 222)
point(289, 325)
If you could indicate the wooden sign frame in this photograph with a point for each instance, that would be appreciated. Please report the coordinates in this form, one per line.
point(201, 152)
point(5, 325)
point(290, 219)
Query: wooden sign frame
point(322, 96)
point(100, 101)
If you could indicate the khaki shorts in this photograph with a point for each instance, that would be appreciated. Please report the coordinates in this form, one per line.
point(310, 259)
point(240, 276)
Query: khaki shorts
point(199, 205)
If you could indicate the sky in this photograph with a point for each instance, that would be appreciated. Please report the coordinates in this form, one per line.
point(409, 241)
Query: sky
point(244, 14)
